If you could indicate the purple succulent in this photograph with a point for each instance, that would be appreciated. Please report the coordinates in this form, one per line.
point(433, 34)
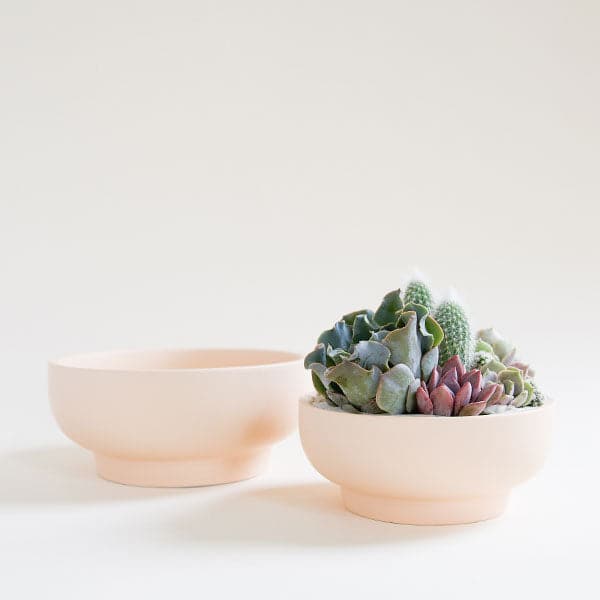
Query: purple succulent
point(454, 391)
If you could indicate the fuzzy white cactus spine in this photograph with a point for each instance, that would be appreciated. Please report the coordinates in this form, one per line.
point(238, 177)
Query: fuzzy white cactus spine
point(457, 332)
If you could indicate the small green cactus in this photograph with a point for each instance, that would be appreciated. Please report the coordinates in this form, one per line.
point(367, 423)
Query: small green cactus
point(418, 293)
point(457, 332)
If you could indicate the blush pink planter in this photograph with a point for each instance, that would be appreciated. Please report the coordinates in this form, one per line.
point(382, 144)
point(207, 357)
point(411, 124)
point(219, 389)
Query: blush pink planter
point(426, 470)
point(177, 418)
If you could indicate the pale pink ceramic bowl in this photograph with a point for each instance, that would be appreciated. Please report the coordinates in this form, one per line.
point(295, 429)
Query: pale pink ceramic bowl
point(175, 418)
point(426, 470)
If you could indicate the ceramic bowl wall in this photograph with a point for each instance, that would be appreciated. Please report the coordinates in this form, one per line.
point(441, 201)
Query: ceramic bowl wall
point(177, 417)
point(420, 469)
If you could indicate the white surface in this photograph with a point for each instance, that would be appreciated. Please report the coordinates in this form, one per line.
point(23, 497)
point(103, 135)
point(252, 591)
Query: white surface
point(220, 173)
point(66, 534)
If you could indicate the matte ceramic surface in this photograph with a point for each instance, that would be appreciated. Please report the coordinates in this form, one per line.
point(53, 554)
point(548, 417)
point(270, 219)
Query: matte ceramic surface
point(426, 470)
point(177, 418)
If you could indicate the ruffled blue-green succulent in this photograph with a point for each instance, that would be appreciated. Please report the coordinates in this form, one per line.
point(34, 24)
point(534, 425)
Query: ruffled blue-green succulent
point(373, 361)
point(457, 332)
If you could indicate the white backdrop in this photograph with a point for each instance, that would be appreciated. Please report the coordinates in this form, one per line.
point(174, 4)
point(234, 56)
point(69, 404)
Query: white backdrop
point(241, 173)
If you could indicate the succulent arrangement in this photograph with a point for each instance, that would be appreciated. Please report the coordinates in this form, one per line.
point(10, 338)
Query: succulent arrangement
point(413, 356)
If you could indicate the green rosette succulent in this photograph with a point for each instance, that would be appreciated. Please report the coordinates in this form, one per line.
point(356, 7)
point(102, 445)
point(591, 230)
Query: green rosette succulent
point(457, 332)
point(492, 342)
point(373, 361)
point(496, 357)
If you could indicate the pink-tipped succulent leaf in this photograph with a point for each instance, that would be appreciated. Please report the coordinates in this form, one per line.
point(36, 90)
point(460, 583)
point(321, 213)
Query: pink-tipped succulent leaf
point(454, 362)
point(498, 396)
point(487, 393)
point(434, 380)
point(424, 402)
point(442, 399)
point(450, 379)
point(462, 398)
point(473, 409)
point(475, 378)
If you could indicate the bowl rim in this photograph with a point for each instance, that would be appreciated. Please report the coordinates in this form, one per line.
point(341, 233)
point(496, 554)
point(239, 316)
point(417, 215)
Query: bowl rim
point(549, 403)
point(62, 361)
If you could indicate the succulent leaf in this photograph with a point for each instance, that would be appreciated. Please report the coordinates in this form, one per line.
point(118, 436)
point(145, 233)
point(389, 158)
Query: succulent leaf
point(424, 401)
point(521, 399)
point(489, 377)
point(442, 399)
point(498, 397)
point(490, 336)
point(513, 376)
point(411, 396)
point(483, 346)
point(435, 330)
point(370, 353)
point(526, 369)
point(339, 336)
point(486, 393)
point(393, 388)
point(318, 355)
point(386, 313)
point(358, 384)
point(425, 337)
point(502, 348)
point(450, 379)
point(475, 379)
point(429, 330)
point(319, 377)
point(434, 380)
point(473, 409)
point(454, 362)
point(421, 311)
point(379, 336)
point(336, 399)
point(363, 327)
point(350, 317)
point(405, 346)
point(529, 386)
point(429, 361)
point(462, 398)
point(493, 365)
point(336, 356)
point(317, 383)
point(538, 397)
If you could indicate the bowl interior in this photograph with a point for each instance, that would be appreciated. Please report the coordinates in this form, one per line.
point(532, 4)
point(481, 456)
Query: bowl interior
point(165, 360)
